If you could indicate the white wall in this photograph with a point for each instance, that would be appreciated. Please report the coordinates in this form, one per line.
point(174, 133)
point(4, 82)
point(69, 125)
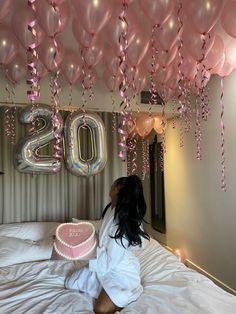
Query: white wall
point(200, 217)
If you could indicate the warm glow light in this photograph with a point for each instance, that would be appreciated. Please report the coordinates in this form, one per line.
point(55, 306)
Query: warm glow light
point(208, 5)
point(123, 25)
point(171, 24)
point(96, 3)
point(180, 255)
point(72, 66)
point(4, 43)
point(51, 49)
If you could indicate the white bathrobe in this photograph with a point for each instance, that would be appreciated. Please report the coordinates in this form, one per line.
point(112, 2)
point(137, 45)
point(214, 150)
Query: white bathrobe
point(116, 269)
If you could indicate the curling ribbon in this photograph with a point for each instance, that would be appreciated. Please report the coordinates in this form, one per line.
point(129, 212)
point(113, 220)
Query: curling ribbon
point(55, 97)
point(152, 90)
point(181, 108)
point(198, 130)
point(223, 183)
point(123, 45)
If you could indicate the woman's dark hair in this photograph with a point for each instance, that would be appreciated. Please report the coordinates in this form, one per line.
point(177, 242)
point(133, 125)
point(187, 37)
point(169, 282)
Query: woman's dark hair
point(130, 210)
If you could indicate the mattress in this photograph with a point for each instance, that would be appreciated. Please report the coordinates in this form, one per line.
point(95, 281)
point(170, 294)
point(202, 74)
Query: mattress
point(169, 288)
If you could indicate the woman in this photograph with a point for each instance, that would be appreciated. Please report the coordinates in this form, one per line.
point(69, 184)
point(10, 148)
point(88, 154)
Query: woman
point(113, 277)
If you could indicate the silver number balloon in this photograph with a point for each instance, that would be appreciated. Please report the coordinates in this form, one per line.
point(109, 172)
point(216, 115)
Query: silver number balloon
point(27, 157)
point(76, 164)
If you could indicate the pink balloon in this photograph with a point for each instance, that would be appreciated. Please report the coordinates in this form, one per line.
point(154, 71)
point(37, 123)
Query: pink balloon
point(49, 53)
point(200, 81)
point(147, 61)
point(83, 37)
point(144, 124)
point(138, 48)
point(189, 66)
point(230, 52)
point(225, 70)
point(228, 18)
point(112, 82)
point(131, 74)
point(115, 27)
point(53, 19)
point(8, 45)
point(203, 14)
point(164, 58)
point(20, 20)
point(93, 15)
point(173, 81)
point(140, 80)
point(193, 41)
point(5, 8)
point(164, 92)
point(215, 53)
point(16, 70)
point(167, 35)
point(157, 11)
point(112, 62)
point(219, 65)
point(164, 74)
point(71, 67)
point(42, 71)
point(93, 54)
point(89, 78)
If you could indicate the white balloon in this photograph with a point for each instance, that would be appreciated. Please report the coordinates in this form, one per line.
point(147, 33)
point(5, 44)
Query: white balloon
point(27, 158)
point(73, 152)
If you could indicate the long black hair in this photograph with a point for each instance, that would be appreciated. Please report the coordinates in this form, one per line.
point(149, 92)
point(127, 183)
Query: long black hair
point(130, 210)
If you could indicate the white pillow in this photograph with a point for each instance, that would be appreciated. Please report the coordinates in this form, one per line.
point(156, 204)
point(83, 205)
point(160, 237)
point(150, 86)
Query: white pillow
point(29, 230)
point(15, 250)
point(96, 223)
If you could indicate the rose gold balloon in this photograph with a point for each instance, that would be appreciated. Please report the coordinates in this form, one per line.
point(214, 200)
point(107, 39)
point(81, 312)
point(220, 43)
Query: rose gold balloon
point(93, 55)
point(144, 124)
point(71, 66)
point(112, 82)
point(230, 52)
point(160, 124)
point(49, 53)
point(89, 78)
point(157, 11)
point(8, 45)
point(228, 18)
point(226, 69)
point(203, 14)
point(20, 20)
point(53, 19)
point(138, 48)
point(16, 70)
point(112, 62)
point(6, 7)
point(93, 14)
point(215, 53)
point(83, 37)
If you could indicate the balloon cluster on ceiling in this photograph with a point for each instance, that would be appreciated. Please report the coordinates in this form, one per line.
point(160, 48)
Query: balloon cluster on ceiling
point(171, 47)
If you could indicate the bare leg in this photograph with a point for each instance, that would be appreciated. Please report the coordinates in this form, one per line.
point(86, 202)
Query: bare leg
point(104, 305)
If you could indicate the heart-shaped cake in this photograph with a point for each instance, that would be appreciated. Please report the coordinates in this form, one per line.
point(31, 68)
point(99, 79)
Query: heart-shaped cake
point(76, 241)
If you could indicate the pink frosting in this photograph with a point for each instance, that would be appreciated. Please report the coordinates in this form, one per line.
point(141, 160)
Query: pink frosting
point(76, 240)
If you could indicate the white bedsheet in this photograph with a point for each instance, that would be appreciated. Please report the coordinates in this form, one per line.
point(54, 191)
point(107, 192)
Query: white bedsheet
point(169, 288)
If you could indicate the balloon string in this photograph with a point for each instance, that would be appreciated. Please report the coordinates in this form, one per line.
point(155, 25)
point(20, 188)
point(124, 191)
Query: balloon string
point(7, 112)
point(198, 130)
point(181, 95)
point(173, 109)
point(34, 92)
point(147, 157)
point(84, 99)
point(144, 165)
point(123, 45)
point(114, 122)
point(70, 95)
point(55, 97)
point(223, 182)
point(152, 90)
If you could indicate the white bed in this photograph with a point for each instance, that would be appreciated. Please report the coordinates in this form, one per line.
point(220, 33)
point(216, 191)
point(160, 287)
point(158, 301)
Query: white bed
point(169, 288)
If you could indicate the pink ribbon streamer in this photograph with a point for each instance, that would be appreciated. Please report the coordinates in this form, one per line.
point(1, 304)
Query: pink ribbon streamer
point(198, 130)
point(123, 44)
point(152, 90)
point(223, 182)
